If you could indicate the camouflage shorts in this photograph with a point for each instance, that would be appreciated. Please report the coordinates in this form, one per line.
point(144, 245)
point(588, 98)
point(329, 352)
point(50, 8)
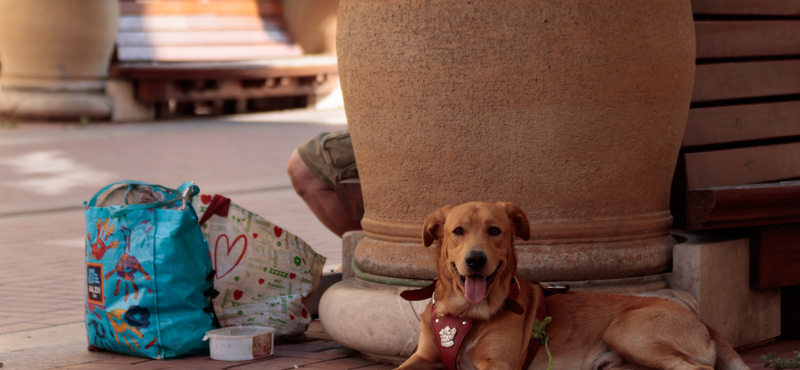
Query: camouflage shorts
point(330, 157)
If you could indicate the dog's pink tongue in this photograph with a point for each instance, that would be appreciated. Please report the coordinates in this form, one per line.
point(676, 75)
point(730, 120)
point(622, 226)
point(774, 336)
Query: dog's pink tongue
point(475, 288)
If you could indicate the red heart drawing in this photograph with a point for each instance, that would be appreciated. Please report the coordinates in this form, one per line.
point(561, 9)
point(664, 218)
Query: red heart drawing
point(255, 235)
point(292, 275)
point(228, 247)
point(237, 294)
point(205, 198)
point(278, 231)
point(304, 313)
point(291, 317)
point(86, 208)
point(260, 281)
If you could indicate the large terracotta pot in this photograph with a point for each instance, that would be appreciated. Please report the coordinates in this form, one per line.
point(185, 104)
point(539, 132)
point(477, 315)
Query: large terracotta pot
point(55, 56)
point(573, 110)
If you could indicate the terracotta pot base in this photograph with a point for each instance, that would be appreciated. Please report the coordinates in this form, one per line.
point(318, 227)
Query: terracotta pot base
point(52, 85)
point(54, 106)
point(560, 262)
point(55, 57)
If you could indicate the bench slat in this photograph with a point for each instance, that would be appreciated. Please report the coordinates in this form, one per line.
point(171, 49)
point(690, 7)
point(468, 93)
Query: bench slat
point(747, 7)
point(173, 38)
point(250, 7)
point(729, 39)
point(740, 166)
point(746, 80)
point(206, 53)
point(196, 23)
point(729, 124)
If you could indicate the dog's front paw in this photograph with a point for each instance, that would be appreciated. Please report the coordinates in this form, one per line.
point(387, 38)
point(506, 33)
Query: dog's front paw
point(416, 362)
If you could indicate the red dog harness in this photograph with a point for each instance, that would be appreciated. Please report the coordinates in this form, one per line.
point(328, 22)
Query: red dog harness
point(452, 330)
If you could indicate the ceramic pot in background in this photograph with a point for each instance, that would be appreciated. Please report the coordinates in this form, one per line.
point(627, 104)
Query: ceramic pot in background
point(55, 57)
point(312, 24)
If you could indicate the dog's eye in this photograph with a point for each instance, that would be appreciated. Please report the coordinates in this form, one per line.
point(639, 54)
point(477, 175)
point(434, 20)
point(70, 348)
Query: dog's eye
point(494, 231)
point(458, 231)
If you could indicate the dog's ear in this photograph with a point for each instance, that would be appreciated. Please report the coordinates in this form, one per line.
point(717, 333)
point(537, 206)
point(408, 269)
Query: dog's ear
point(432, 229)
point(518, 219)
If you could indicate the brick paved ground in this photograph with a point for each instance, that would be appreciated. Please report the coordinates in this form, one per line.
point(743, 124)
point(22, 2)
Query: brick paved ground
point(313, 354)
point(49, 169)
point(46, 170)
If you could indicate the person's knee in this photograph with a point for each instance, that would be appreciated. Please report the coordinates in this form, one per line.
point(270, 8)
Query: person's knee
point(303, 180)
point(297, 169)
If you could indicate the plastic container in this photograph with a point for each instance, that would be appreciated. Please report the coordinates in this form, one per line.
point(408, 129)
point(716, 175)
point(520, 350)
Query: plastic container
point(240, 343)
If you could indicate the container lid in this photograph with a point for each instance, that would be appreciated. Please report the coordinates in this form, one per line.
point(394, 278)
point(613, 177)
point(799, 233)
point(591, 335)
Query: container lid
point(238, 332)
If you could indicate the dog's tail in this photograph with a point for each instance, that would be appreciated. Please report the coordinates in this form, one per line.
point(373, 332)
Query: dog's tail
point(727, 358)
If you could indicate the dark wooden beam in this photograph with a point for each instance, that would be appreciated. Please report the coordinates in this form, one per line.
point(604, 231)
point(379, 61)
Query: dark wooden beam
point(155, 91)
point(775, 256)
point(306, 66)
point(743, 206)
point(349, 193)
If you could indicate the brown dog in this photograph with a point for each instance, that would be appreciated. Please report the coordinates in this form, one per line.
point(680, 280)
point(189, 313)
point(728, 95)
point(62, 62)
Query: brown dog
point(477, 266)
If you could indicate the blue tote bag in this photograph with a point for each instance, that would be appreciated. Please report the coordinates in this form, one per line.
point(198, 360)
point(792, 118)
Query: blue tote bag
point(148, 272)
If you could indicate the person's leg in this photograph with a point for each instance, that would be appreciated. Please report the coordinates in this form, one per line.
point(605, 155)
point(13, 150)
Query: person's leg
point(320, 198)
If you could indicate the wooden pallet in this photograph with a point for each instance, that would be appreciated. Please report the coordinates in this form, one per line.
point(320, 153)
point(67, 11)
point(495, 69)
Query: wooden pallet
point(216, 56)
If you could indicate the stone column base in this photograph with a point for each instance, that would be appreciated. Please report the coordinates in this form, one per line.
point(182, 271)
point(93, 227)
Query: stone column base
point(372, 318)
point(716, 272)
point(40, 105)
point(350, 241)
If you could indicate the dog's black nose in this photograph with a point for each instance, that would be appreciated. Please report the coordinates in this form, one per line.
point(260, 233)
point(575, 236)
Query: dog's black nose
point(475, 260)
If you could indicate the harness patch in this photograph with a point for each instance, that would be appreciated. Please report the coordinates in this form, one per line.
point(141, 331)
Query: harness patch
point(447, 334)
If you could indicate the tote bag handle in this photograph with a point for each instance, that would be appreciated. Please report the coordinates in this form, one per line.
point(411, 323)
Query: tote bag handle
point(174, 196)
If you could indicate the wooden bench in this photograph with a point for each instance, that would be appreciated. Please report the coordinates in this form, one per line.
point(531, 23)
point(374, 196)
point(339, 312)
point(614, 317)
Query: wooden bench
point(740, 159)
point(744, 124)
point(216, 56)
